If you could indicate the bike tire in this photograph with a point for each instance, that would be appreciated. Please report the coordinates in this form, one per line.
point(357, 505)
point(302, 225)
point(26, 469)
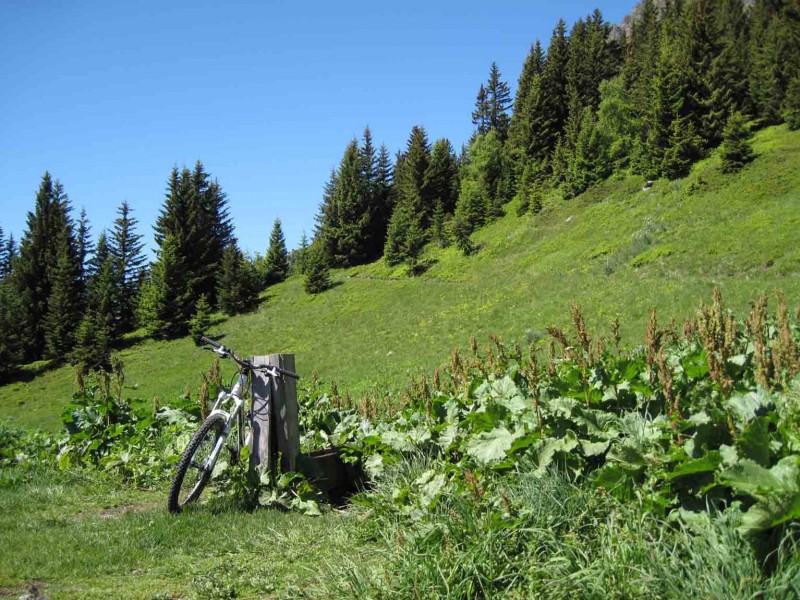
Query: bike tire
point(204, 438)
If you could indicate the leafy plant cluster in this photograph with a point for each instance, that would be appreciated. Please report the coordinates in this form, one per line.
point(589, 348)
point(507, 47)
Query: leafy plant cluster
point(141, 445)
point(702, 419)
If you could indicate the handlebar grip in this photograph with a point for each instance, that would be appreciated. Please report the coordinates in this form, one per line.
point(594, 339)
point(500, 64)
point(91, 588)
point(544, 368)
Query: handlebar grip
point(287, 373)
point(210, 342)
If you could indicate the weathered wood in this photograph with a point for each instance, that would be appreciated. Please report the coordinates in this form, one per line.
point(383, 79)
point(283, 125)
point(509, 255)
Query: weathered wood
point(275, 425)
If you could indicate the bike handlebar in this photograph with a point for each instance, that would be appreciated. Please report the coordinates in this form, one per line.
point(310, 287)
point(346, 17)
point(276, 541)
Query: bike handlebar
point(244, 363)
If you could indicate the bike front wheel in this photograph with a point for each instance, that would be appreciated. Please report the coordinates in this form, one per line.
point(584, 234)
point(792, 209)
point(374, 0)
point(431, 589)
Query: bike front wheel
point(194, 468)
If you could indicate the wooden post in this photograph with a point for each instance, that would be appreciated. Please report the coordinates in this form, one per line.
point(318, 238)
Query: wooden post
point(274, 422)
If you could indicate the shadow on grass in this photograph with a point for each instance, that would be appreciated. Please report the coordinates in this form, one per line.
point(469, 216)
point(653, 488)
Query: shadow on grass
point(29, 372)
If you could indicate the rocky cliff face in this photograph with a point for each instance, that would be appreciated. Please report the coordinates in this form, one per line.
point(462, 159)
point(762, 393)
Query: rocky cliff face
point(636, 14)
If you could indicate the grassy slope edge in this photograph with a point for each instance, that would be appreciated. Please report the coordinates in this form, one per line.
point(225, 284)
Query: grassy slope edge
point(618, 250)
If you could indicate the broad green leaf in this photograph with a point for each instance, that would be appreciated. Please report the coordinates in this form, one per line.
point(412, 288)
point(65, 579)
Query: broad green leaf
point(754, 442)
point(705, 464)
point(626, 453)
point(397, 441)
point(553, 446)
point(594, 448)
point(746, 406)
point(748, 477)
point(491, 446)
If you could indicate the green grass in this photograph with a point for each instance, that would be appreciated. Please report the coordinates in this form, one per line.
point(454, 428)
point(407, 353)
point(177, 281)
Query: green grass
point(617, 250)
point(78, 535)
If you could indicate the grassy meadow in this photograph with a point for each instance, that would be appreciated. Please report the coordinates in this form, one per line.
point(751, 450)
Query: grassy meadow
point(617, 250)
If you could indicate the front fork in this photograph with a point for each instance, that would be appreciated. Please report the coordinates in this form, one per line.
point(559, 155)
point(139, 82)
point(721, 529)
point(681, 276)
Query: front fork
point(237, 412)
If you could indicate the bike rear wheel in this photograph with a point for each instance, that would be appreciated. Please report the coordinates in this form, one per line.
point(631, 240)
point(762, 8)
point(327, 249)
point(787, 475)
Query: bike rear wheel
point(193, 470)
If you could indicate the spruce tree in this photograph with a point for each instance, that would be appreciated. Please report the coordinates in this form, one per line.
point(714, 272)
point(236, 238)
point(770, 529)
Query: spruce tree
point(277, 258)
point(439, 226)
point(9, 255)
point(395, 250)
point(48, 254)
point(736, 149)
point(237, 292)
point(125, 247)
point(499, 102)
point(351, 243)
point(84, 242)
point(11, 347)
point(195, 215)
point(165, 301)
point(3, 253)
point(441, 177)
point(554, 89)
point(684, 148)
point(200, 321)
point(480, 116)
point(64, 301)
point(318, 277)
point(791, 106)
point(384, 199)
point(589, 161)
point(98, 330)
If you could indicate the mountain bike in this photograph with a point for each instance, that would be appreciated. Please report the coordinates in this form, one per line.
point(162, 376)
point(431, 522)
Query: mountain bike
point(196, 465)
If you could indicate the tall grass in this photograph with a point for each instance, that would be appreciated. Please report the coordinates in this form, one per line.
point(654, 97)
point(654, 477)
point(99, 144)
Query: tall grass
point(547, 537)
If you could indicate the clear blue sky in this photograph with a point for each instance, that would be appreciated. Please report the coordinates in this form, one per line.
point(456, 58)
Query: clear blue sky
point(108, 96)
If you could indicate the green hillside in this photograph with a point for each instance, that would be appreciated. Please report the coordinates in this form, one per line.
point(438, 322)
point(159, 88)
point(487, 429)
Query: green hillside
point(618, 250)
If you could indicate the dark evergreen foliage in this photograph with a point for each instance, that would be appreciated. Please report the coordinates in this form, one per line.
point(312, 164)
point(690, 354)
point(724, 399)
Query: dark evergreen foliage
point(165, 301)
point(736, 149)
point(200, 321)
point(318, 277)
point(125, 248)
point(441, 177)
point(64, 303)
point(791, 106)
point(276, 262)
point(238, 288)
point(48, 261)
point(11, 343)
point(84, 242)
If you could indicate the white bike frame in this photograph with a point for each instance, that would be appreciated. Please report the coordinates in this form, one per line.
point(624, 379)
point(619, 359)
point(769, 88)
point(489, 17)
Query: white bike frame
point(230, 418)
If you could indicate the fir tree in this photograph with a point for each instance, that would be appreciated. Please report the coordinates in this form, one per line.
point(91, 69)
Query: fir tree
point(384, 199)
point(298, 258)
point(98, 330)
point(499, 102)
point(200, 321)
point(277, 259)
point(195, 215)
point(439, 226)
point(237, 291)
point(589, 161)
point(396, 248)
point(441, 177)
point(554, 89)
point(3, 254)
point(685, 147)
point(64, 301)
point(317, 275)
point(125, 247)
point(9, 256)
point(11, 347)
point(165, 300)
point(736, 149)
point(48, 254)
point(480, 116)
point(84, 241)
point(461, 231)
point(791, 106)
